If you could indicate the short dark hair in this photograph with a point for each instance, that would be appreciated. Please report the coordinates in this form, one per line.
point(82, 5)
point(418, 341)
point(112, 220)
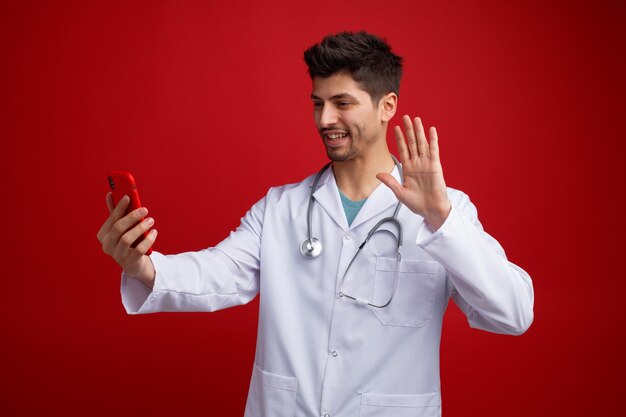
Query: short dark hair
point(366, 57)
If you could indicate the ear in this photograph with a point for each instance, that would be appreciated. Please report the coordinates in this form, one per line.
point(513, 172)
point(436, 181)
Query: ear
point(388, 105)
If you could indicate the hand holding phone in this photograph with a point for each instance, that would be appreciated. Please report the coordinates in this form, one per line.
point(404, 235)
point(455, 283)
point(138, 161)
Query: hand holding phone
point(123, 183)
point(127, 233)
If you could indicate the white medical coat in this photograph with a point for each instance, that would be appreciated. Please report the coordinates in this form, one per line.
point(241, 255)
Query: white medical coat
point(319, 354)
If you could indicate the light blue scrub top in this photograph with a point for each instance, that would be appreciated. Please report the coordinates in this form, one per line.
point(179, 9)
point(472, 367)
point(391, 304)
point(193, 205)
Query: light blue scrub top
point(351, 208)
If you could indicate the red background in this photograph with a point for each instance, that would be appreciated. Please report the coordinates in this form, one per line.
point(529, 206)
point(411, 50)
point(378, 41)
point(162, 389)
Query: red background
point(207, 104)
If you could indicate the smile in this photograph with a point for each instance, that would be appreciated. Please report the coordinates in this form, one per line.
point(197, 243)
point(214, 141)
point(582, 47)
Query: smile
point(336, 139)
point(336, 135)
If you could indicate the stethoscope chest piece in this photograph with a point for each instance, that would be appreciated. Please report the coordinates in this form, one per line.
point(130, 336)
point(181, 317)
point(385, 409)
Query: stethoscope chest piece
point(311, 248)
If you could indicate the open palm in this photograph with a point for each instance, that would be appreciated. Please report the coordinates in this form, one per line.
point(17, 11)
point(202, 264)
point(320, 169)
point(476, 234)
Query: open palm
point(424, 189)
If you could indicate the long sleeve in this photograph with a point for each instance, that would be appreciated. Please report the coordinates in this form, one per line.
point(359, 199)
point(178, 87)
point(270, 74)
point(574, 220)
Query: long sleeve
point(208, 280)
point(494, 294)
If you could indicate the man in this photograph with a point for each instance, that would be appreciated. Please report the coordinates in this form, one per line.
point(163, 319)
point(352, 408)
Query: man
point(345, 328)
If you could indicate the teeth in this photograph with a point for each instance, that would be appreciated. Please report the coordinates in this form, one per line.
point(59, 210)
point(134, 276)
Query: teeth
point(337, 136)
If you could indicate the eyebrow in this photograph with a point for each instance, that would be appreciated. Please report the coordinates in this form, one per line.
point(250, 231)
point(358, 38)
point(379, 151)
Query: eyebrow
point(336, 97)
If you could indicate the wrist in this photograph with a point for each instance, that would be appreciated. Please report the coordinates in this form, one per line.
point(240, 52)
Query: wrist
point(437, 217)
point(144, 273)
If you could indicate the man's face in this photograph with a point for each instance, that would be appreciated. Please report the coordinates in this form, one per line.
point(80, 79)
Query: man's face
point(345, 116)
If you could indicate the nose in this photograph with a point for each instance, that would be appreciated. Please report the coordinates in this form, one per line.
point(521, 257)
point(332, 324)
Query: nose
point(328, 116)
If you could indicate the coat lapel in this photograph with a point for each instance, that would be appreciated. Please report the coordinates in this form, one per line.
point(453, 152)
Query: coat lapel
point(380, 200)
point(327, 196)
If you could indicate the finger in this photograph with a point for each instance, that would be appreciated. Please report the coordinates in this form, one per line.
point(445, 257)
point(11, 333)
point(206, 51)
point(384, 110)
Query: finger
point(391, 182)
point(147, 242)
point(119, 210)
point(403, 151)
point(114, 215)
point(133, 234)
point(422, 144)
point(434, 144)
point(124, 224)
point(110, 204)
point(410, 136)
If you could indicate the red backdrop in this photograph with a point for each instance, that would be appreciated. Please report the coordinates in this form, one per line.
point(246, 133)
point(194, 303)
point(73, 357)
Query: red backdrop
point(207, 103)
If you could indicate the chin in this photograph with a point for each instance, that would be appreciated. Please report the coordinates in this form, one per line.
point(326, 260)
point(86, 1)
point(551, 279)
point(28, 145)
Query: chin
point(339, 156)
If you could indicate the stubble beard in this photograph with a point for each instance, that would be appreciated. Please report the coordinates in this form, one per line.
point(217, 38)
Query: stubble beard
point(340, 155)
point(337, 155)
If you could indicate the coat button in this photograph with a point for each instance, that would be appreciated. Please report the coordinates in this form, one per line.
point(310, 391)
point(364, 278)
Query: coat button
point(346, 237)
point(334, 353)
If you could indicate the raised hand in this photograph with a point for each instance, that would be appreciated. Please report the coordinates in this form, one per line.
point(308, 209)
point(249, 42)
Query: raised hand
point(424, 189)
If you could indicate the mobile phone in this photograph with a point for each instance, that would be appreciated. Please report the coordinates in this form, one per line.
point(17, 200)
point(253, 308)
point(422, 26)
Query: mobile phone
point(123, 183)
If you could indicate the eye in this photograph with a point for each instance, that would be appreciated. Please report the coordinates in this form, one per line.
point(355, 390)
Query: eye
point(343, 104)
point(317, 105)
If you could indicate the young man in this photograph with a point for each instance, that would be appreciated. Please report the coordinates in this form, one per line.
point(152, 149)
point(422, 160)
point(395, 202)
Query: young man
point(346, 328)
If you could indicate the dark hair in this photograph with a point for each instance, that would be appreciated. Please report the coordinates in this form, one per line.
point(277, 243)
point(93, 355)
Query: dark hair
point(366, 57)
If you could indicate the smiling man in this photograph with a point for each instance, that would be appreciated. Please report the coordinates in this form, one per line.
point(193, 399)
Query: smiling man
point(352, 296)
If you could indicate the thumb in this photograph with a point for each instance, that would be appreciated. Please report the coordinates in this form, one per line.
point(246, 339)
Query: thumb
point(390, 181)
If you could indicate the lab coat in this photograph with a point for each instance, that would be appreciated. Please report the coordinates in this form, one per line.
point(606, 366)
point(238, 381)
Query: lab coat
point(320, 354)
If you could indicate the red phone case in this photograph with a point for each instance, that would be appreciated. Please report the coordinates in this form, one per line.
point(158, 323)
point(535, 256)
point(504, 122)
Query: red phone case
point(122, 183)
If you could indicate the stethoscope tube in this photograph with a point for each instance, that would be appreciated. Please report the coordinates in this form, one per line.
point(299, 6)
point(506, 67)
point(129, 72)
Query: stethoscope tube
point(312, 247)
point(398, 239)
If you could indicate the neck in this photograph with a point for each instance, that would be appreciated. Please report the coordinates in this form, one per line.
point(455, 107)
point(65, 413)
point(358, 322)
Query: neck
point(356, 178)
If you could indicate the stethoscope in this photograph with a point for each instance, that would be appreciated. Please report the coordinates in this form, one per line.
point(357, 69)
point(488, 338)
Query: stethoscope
point(312, 247)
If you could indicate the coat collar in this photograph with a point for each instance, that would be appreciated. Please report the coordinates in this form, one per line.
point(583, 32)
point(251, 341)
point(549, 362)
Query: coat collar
point(327, 196)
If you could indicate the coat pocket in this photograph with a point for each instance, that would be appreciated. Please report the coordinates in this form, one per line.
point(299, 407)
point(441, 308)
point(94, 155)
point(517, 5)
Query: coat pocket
point(271, 395)
point(385, 405)
point(414, 298)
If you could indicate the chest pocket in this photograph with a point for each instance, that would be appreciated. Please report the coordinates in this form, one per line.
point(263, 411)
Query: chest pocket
point(414, 299)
